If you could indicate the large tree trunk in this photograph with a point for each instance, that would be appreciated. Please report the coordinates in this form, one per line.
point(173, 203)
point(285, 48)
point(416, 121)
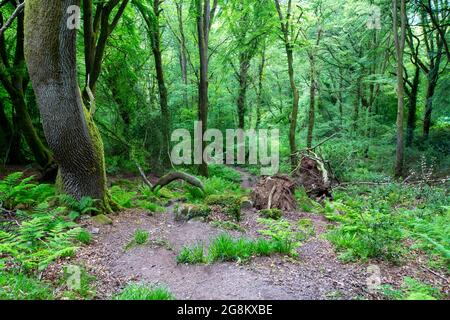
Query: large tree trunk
point(412, 107)
point(50, 51)
point(203, 25)
point(399, 48)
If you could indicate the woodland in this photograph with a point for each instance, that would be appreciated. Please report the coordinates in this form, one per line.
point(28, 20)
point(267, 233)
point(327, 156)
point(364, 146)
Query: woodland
point(95, 202)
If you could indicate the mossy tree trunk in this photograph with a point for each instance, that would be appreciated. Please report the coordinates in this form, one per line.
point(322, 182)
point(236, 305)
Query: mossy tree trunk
point(50, 51)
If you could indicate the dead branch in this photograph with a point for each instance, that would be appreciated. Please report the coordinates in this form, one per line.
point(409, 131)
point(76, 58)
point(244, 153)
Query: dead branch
point(168, 178)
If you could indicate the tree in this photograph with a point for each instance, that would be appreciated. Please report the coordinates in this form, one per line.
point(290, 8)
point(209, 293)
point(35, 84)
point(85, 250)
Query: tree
point(399, 40)
point(205, 15)
point(14, 78)
point(151, 18)
point(289, 38)
point(97, 29)
point(50, 53)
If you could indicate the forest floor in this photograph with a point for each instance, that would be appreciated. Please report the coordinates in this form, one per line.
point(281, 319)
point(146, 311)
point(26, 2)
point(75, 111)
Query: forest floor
point(315, 274)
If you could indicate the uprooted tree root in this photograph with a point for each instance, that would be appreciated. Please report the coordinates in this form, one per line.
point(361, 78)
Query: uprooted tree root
point(312, 175)
point(274, 192)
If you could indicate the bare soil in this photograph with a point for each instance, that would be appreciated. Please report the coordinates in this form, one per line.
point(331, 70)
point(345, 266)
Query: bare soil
point(315, 274)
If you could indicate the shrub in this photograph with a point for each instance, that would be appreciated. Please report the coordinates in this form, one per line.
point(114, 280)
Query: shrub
point(141, 237)
point(411, 289)
point(136, 291)
point(191, 255)
point(273, 213)
point(84, 237)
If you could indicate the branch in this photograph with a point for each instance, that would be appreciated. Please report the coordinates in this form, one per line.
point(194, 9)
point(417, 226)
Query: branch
point(16, 12)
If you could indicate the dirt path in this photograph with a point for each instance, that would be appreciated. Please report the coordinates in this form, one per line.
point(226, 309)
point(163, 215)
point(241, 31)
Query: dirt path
point(315, 274)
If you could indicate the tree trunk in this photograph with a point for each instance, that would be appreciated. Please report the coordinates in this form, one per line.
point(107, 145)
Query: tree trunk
point(312, 101)
point(432, 77)
point(294, 114)
point(399, 48)
point(183, 53)
point(41, 154)
point(412, 107)
point(50, 51)
point(5, 133)
point(244, 65)
point(260, 88)
point(203, 24)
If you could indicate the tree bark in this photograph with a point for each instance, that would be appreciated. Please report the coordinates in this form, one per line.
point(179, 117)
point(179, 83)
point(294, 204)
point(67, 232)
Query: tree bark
point(50, 52)
point(399, 49)
point(286, 28)
point(204, 21)
point(312, 100)
point(412, 108)
point(151, 18)
point(260, 87)
point(97, 29)
point(183, 52)
point(244, 65)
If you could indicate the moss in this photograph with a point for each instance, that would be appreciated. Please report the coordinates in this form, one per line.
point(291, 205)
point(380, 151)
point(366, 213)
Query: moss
point(190, 211)
point(273, 213)
point(102, 219)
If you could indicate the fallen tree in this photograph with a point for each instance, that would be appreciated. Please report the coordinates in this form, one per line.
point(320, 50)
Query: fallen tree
point(312, 175)
point(170, 177)
point(274, 192)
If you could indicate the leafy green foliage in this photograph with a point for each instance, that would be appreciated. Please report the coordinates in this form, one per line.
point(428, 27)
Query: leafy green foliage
point(136, 291)
point(84, 289)
point(140, 237)
point(38, 241)
point(86, 205)
point(412, 289)
point(145, 199)
point(273, 213)
point(15, 190)
point(374, 222)
point(84, 237)
point(285, 237)
point(225, 248)
point(191, 255)
point(17, 286)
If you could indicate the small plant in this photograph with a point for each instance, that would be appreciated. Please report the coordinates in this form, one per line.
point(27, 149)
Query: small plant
point(122, 197)
point(136, 291)
point(16, 190)
point(81, 288)
point(84, 237)
point(191, 255)
point(85, 205)
point(227, 225)
point(284, 236)
point(140, 237)
point(14, 286)
point(412, 289)
point(273, 213)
